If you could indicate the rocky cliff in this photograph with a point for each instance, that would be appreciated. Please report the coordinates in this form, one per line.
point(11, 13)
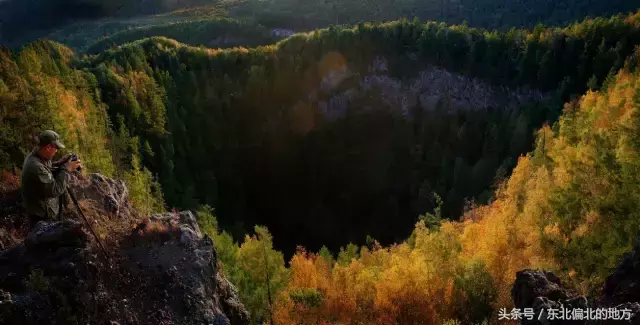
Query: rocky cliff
point(540, 297)
point(156, 270)
point(430, 87)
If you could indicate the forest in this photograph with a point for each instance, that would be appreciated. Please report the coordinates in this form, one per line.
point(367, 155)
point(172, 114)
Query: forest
point(194, 32)
point(227, 127)
point(327, 200)
point(23, 21)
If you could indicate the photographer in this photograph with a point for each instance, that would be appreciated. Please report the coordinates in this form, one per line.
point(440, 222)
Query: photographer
point(43, 181)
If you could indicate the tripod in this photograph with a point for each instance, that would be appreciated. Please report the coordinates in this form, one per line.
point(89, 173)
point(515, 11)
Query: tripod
point(75, 202)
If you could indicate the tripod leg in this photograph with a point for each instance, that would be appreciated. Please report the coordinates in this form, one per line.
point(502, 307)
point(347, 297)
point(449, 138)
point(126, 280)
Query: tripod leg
point(60, 206)
point(75, 202)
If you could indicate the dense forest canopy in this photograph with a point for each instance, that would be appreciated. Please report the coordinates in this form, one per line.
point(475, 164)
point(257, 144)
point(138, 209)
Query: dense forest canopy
point(21, 21)
point(570, 206)
point(219, 33)
point(350, 138)
point(478, 13)
point(294, 137)
point(246, 136)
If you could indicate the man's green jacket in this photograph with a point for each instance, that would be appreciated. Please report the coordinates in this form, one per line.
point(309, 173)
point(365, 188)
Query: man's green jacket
point(41, 187)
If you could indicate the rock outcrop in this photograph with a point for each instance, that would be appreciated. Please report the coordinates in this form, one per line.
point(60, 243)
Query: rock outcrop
point(431, 86)
point(544, 295)
point(623, 284)
point(109, 195)
point(162, 271)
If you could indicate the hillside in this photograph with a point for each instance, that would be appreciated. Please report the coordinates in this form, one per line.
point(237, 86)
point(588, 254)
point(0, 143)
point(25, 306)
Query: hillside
point(80, 23)
point(218, 33)
point(351, 122)
point(490, 14)
point(357, 127)
point(569, 206)
point(426, 164)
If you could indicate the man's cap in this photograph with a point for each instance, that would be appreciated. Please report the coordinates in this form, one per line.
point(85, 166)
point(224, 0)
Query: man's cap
point(50, 137)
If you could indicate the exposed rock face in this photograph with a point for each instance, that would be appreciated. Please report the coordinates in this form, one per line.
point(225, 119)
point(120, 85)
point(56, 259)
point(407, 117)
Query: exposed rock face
point(231, 304)
point(163, 272)
point(48, 263)
point(282, 32)
point(111, 195)
point(624, 284)
point(432, 86)
point(544, 293)
point(531, 284)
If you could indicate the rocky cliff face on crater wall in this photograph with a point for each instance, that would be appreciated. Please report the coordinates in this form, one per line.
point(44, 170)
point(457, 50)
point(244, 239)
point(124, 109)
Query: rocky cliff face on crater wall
point(162, 271)
point(433, 85)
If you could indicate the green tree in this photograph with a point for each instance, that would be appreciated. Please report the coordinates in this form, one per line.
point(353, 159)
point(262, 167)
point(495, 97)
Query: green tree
point(144, 191)
point(478, 286)
point(263, 274)
point(347, 254)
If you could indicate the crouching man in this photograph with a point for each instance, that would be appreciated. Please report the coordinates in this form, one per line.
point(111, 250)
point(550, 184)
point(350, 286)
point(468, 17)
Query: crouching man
point(45, 182)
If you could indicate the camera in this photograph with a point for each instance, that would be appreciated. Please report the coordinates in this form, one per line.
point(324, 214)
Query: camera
point(74, 157)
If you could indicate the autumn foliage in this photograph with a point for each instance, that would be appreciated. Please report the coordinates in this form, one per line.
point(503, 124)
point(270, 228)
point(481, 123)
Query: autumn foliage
point(229, 128)
point(569, 206)
point(8, 182)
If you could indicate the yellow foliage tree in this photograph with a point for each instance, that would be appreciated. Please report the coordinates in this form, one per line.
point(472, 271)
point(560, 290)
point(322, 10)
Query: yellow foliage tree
point(577, 195)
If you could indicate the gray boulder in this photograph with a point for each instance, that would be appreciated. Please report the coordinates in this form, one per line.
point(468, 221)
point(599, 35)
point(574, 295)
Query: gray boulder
point(543, 292)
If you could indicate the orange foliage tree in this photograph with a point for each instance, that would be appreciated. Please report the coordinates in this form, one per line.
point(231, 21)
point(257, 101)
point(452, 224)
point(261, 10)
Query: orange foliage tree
point(576, 195)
